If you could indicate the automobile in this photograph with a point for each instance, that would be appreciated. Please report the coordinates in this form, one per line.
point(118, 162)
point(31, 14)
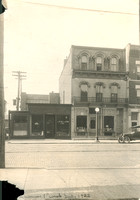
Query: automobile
point(132, 134)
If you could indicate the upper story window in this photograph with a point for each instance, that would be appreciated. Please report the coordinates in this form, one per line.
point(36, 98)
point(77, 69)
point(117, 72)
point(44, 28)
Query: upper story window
point(84, 62)
point(84, 93)
point(138, 90)
point(99, 63)
point(99, 93)
point(114, 93)
point(114, 63)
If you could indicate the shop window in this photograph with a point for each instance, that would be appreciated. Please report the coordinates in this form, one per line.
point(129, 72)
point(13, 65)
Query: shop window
point(134, 124)
point(134, 118)
point(81, 123)
point(37, 125)
point(108, 125)
point(92, 123)
point(63, 125)
point(20, 125)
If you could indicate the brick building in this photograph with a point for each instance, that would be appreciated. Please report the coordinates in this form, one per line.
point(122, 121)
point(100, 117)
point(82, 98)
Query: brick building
point(51, 98)
point(133, 66)
point(96, 77)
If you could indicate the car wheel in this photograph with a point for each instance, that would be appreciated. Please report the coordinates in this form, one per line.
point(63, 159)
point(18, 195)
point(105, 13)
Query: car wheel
point(120, 139)
point(126, 139)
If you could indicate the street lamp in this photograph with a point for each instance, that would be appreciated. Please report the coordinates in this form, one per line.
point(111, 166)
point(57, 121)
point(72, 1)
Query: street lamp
point(96, 138)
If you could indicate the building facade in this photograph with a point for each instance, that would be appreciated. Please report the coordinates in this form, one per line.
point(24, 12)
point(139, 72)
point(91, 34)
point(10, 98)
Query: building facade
point(133, 66)
point(46, 121)
point(96, 77)
point(51, 98)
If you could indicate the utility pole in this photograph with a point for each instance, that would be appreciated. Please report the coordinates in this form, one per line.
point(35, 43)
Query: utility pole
point(20, 76)
point(2, 128)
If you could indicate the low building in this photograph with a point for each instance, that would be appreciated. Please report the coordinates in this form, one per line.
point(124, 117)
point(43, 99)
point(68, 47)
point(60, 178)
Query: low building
point(41, 121)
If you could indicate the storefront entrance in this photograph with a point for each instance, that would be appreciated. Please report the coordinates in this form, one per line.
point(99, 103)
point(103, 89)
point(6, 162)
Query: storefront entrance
point(49, 126)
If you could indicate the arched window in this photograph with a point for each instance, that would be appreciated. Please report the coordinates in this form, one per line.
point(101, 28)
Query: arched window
point(84, 62)
point(99, 63)
point(114, 63)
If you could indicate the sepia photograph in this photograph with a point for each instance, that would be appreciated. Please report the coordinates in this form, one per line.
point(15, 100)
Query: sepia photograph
point(69, 99)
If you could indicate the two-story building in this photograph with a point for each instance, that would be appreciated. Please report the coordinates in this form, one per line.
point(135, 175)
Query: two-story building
point(95, 77)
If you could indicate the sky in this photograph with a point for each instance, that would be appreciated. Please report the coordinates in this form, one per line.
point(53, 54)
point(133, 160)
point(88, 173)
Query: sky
point(38, 35)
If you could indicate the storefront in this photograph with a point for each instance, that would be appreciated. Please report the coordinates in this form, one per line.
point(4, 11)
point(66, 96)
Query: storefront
point(41, 121)
point(107, 122)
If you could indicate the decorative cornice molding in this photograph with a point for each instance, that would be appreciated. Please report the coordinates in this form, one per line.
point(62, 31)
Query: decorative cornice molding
point(84, 83)
point(100, 84)
point(115, 84)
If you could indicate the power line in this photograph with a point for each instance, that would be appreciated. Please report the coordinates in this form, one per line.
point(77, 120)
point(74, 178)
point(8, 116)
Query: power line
point(81, 9)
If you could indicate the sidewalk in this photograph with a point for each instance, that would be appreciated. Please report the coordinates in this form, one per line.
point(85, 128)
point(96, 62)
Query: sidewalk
point(42, 184)
point(57, 141)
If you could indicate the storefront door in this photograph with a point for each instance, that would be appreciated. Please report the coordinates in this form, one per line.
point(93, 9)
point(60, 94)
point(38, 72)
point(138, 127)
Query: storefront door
point(49, 126)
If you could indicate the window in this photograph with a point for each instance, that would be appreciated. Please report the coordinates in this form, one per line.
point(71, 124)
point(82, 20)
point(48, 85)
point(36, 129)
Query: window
point(99, 63)
point(114, 97)
point(138, 90)
point(63, 125)
point(81, 123)
point(99, 94)
point(138, 69)
point(134, 118)
point(114, 93)
point(99, 97)
point(84, 93)
point(108, 125)
point(92, 111)
point(84, 63)
point(20, 125)
point(134, 115)
point(113, 64)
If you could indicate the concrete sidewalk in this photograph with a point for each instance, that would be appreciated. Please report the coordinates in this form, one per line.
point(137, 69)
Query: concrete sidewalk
point(57, 141)
point(42, 184)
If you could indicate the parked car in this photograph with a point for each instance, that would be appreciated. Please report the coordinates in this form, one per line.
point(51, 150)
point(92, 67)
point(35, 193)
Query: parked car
point(132, 134)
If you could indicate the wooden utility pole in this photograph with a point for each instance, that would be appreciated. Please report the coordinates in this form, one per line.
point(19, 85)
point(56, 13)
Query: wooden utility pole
point(2, 128)
point(20, 76)
point(139, 22)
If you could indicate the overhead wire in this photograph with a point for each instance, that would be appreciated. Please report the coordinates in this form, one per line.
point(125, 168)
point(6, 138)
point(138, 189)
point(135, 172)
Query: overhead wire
point(81, 9)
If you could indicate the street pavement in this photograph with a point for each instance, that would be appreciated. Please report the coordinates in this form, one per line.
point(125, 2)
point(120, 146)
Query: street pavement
point(73, 169)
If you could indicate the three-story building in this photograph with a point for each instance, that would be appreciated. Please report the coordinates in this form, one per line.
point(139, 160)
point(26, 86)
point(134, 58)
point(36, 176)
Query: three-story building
point(133, 66)
point(95, 77)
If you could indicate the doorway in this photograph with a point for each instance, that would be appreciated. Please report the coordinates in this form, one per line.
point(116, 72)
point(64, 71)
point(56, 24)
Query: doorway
point(49, 126)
